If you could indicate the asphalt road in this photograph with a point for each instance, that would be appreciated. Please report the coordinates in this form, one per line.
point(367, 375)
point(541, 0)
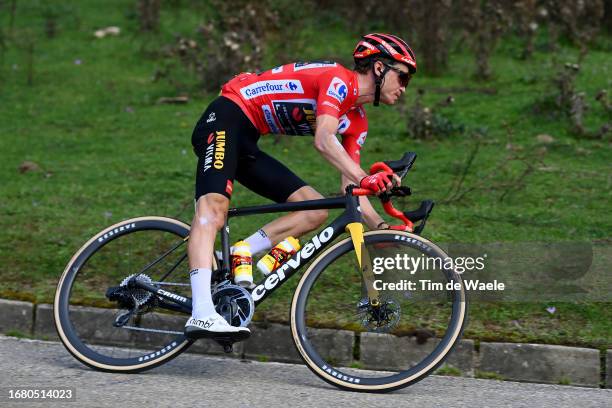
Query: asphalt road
point(194, 380)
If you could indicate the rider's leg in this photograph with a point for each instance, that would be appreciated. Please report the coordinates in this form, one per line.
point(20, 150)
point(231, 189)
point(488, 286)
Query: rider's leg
point(217, 141)
point(270, 178)
point(211, 210)
point(296, 223)
point(210, 213)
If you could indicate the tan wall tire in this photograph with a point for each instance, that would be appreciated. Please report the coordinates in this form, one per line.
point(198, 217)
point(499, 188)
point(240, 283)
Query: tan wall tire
point(336, 376)
point(67, 333)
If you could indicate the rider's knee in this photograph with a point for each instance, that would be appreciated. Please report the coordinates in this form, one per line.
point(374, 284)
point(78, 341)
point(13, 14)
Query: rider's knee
point(211, 211)
point(316, 218)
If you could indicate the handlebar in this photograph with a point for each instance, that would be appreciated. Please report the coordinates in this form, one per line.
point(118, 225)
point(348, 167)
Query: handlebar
point(400, 167)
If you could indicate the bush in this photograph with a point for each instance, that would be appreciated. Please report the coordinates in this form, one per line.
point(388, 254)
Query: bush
point(567, 101)
point(233, 40)
point(426, 122)
point(579, 20)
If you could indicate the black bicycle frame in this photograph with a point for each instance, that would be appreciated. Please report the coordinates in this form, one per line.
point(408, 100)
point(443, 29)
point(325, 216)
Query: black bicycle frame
point(351, 214)
point(309, 250)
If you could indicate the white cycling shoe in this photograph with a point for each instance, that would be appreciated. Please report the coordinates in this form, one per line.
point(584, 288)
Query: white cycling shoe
point(214, 326)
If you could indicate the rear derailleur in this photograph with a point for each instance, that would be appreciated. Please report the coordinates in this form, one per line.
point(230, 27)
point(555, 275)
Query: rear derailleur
point(131, 299)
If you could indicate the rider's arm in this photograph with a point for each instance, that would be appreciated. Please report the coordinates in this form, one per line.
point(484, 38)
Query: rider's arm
point(327, 144)
point(354, 131)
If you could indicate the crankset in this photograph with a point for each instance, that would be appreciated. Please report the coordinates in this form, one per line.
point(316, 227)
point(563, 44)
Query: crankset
point(234, 303)
point(237, 307)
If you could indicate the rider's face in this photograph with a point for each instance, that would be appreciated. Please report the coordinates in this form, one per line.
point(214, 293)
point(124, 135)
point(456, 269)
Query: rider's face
point(395, 82)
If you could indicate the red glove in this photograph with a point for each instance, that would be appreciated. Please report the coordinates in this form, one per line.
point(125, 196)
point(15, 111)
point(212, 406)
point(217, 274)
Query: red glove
point(377, 182)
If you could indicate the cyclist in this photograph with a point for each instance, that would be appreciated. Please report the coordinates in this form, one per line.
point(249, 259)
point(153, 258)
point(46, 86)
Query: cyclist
point(306, 98)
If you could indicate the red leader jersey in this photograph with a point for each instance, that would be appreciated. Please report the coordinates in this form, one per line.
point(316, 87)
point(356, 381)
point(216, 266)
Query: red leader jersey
point(353, 128)
point(287, 100)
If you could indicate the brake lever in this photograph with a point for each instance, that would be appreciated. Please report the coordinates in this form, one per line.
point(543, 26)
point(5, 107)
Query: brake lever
point(401, 191)
point(403, 173)
point(419, 228)
point(420, 214)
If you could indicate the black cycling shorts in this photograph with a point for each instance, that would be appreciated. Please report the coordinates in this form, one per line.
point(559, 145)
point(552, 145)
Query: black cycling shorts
point(225, 142)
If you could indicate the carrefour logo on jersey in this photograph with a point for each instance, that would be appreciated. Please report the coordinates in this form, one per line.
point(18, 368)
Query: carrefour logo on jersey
point(337, 89)
point(272, 87)
point(344, 124)
point(362, 138)
point(270, 119)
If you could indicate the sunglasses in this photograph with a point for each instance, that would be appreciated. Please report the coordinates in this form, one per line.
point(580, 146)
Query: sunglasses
point(404, 77)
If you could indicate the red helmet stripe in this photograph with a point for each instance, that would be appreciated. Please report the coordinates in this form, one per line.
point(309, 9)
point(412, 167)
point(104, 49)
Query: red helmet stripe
point(386, 44)
point(403, 46)
point(370, 49)
point(367, 45)
point(381, 41)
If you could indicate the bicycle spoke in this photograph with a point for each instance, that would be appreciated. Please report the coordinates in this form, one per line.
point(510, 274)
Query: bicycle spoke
point(161, 258)
point(333, 295)
point(112, 265)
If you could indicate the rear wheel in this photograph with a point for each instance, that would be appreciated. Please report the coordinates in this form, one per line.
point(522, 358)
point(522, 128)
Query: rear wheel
point(387, 351)
point(102, 333)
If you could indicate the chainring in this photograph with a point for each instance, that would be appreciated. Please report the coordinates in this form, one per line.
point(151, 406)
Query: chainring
point(234, 303)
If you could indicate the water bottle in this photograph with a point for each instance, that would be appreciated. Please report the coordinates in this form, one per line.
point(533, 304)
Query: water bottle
point(278, 255)
point(242, 264)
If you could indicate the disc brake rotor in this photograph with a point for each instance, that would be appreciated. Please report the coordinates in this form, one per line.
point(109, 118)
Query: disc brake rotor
point(379, 319)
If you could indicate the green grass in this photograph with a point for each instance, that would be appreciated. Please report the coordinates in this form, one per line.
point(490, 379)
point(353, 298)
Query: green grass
point(449, 371)
point(488, 375)
point(17, 333)
point(263, 359)
point(107, 152)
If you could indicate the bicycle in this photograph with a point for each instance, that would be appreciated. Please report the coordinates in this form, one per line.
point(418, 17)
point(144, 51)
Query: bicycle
point(149, 275)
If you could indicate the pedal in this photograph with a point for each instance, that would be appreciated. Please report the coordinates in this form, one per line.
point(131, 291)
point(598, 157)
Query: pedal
point(226, 342)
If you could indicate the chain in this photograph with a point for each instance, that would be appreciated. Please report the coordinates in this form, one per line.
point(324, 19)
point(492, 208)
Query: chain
point(171, 283)
point(151, 330)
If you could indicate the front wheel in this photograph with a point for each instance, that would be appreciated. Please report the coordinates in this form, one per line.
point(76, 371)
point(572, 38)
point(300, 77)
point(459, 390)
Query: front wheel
point(388, 350)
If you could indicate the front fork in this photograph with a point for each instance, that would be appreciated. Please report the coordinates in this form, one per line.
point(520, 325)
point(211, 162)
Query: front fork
point(364, 261)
